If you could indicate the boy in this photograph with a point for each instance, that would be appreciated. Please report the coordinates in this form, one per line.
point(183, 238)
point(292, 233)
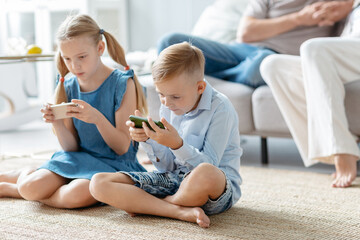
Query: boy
point(197, 155)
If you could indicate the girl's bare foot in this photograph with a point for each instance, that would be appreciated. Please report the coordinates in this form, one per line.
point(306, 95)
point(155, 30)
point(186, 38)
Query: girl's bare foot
point(9, 190)
point(10, 176)
point(196, 215)
point(345, 166)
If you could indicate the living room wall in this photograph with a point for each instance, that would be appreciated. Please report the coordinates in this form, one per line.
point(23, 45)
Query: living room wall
point(149, 20)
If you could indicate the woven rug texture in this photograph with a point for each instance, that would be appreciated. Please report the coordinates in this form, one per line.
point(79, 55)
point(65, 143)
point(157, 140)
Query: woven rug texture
point(275, 204)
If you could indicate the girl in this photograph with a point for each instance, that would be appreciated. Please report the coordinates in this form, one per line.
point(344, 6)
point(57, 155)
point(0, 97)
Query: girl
point(96, 138)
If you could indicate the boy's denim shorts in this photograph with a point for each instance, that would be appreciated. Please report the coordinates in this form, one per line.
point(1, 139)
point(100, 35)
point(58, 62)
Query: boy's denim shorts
point(168, 183)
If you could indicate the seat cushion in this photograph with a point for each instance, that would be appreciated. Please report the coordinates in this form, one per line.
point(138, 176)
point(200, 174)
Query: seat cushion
point(352, 106)
point(240, 97)
point(268, 120)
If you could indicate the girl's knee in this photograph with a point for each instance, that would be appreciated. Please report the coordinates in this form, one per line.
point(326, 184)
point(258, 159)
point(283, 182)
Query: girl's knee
point(29, 189)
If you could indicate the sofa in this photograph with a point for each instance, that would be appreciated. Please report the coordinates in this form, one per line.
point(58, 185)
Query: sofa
point(258, 112)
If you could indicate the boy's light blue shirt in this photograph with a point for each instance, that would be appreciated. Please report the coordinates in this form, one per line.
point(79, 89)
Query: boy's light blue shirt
point(210, 134)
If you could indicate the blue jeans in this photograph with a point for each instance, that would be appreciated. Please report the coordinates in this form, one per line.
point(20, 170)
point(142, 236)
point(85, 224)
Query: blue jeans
point(235, 62)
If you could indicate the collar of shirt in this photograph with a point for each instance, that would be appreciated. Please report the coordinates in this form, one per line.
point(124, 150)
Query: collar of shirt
point(205, 101)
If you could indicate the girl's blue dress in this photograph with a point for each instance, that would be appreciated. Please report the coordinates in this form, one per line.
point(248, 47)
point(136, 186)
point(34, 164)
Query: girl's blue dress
point(95, 155)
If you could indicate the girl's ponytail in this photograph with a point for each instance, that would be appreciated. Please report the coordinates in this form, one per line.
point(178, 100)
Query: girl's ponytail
point(117, 53)
point(60, 93)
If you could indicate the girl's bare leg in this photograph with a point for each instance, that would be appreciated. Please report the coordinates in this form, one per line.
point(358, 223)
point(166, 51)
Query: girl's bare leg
point(8, 182)
point(118, 190)
point(75, 194)
point(54, 190)
point(40, 184)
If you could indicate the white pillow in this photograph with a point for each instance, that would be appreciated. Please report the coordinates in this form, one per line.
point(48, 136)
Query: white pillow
point(219, 21)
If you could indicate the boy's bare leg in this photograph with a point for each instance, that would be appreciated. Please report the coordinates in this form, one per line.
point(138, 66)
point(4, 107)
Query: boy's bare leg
point(345, 165)
point(204, 182)
point(119, 191)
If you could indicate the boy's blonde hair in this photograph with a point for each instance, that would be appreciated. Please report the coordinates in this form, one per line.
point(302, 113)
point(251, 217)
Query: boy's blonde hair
point(80, 25)
point(177, 59)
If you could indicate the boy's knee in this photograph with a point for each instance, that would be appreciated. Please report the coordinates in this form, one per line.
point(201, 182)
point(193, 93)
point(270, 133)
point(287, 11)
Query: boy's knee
point(206, 175)
point(171, 39)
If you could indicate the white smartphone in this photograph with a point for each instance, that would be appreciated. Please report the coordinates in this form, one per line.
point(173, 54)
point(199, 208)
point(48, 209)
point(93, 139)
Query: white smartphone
point(60, 110)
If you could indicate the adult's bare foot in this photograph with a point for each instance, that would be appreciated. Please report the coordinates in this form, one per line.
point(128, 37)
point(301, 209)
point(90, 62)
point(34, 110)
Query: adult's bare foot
point(345, 166)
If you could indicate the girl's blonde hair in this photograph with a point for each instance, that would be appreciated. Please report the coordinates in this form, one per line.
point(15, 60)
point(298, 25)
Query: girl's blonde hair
point(177, 59)
point(79, 25)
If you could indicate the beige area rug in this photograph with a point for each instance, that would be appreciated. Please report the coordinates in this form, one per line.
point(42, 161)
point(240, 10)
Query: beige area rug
point(276, 204)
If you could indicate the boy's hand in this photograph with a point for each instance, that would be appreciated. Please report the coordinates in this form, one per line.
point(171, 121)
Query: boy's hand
point(137, 134)
point(84, 112)
point(168, 137)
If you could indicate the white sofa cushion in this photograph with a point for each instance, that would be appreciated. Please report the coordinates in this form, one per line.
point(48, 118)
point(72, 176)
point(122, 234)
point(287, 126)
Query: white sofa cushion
point(220, 20)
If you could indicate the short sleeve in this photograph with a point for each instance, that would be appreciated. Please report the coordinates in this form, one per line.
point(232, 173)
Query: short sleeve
point(120, 87)
point(257, 9)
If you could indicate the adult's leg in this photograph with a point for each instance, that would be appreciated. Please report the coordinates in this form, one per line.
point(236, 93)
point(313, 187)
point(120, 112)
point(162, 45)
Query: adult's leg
point(328, 63)
point(237, 62)
point(283, 74)
point(118, 190)
point(247, 71)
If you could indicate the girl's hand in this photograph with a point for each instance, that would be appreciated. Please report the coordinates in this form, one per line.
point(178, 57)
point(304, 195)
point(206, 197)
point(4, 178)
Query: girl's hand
point(47, 113)
point(84, 112)
point(137, 134)
point(168, 137)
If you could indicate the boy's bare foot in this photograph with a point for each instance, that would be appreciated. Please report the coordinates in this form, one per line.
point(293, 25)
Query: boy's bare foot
point(345, 166)
point(196, 215)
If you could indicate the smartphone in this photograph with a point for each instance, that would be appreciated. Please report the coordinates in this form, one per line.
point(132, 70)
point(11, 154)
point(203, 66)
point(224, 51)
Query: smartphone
point(139, 120)
point(60, 110)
